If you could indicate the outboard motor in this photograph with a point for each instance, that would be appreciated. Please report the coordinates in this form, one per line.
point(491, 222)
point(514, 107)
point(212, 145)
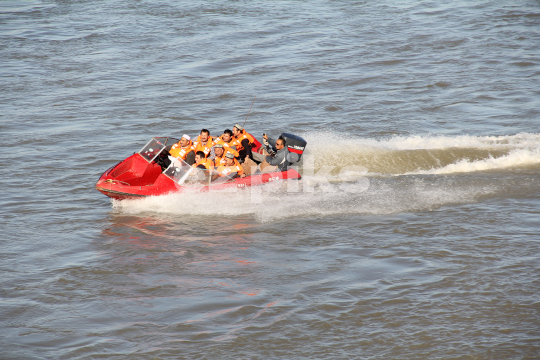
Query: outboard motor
point(296, 146)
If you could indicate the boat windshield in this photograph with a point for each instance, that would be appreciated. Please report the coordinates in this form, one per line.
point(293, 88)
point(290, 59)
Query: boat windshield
point(186, 175)
point(152, 149)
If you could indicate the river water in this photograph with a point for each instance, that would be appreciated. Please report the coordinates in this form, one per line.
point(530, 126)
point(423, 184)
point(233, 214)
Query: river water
point(414, 233)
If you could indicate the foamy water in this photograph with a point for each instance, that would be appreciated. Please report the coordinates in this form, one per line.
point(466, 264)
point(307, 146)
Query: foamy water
point(271, 204)
point(352, 189)
point(428, 154)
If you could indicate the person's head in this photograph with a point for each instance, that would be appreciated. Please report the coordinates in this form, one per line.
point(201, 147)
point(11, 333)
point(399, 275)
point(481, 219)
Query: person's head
point(280, 143)
point(237, 129)
point(218, 150)
point(184, 141)
point(199, 155)
point(229, 159)
point(204, 135)
point(227, 135)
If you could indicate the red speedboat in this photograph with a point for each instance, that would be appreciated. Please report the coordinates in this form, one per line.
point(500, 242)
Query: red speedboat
point(150, 172)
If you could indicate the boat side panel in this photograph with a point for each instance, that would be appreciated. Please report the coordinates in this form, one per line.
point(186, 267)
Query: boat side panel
point(164, 185)
point(257, 145)
point(133, 167)
point(149, 176)
point(260, 179)
point(134, 171)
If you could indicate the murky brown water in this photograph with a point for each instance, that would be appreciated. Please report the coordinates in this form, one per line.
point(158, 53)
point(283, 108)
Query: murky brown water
point(419, 242)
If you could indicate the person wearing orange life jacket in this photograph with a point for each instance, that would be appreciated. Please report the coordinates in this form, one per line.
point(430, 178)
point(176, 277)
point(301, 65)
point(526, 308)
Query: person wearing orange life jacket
point(202, 162)
point(205, 144)
point(243, 142)
point(226, 146)
point(220, 155)
point(220, 150)
point(227, 141)
point(227, 136)
point(231, 167)
point(183, 150)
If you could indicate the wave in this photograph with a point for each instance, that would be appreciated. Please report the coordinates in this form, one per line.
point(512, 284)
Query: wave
point(405, 155)
point(516, 158)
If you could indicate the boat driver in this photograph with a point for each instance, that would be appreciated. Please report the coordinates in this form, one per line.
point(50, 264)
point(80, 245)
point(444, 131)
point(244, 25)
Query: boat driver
point(278, 158)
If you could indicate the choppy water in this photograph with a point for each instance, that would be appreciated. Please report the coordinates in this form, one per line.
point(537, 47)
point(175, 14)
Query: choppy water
point(414, 235)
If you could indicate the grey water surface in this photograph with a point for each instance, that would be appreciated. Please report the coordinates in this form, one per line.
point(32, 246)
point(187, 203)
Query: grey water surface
point(421, 241)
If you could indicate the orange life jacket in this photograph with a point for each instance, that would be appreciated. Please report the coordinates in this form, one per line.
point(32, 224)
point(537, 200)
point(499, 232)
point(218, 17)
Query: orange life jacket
point(219, 161)
point(227, 148)
point(207, 163)
point(225, 170)
point(178, 151)
point(198, 145)
point(218, 140)
point(237, 141)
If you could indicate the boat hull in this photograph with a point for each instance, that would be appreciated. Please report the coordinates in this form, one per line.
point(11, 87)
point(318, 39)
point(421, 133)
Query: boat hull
point(135, 178)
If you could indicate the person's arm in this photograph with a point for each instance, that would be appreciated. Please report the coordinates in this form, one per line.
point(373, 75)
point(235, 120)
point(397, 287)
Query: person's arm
point(271, 160)
point(272, 143)
point(240, 171)
point(245, 143)
point(212, 154)
point(277, 159)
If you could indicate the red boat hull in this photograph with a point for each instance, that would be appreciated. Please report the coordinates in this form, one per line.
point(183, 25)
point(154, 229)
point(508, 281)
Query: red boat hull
point(135, 178)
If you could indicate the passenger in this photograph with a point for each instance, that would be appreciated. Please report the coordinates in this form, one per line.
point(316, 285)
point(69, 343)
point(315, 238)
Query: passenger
point(231, 167)
point(226, 141)
point(202, 162)
point(278, 160)
point(220, 155)
point(183, 150)
point(205, 144)
point(243, 141)
point(226, 137)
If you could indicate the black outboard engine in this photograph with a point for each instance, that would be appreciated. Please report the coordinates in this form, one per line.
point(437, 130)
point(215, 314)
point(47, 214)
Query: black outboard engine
point(296, 146)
